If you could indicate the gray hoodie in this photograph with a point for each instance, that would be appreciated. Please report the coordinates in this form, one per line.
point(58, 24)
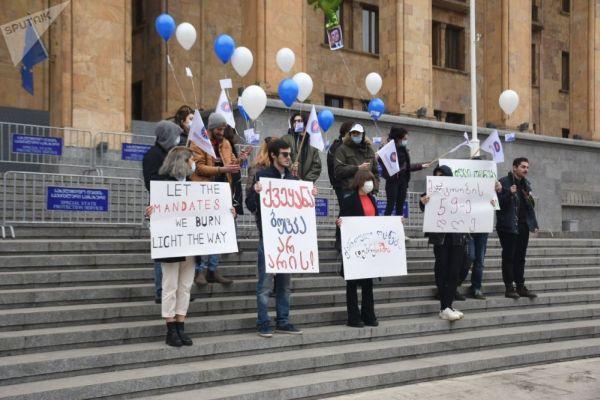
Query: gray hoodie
point(167, 134)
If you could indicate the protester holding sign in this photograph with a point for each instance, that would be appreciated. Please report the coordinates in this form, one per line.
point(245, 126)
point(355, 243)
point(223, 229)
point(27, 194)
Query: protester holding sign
point(449, 252)
point(355, 153)
point(167, 136)
point(306, 162)
point(515, 219)
point(280, 162)
point(396, 185)
point(177, 272)
point(359, 203)
point(209, 169)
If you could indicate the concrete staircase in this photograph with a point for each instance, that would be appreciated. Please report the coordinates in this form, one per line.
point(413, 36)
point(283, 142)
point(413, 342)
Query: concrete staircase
point(78, 321)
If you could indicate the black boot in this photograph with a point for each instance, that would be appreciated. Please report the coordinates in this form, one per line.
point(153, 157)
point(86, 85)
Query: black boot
point(172, 336)
point(185, 339)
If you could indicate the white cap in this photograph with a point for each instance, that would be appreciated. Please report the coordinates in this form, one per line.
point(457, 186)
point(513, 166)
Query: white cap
point(357, 128)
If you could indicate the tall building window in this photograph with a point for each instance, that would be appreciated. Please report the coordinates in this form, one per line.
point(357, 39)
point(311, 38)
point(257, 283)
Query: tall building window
point(455, 47)
point(137, 13)
point(565, 133)
point(334, 101)
point(455, 118)
point(436, 43)
point(534, 65)
point(535, 11)
point(565, 71)
point(370, 29)
point(136, 100)
point(437, 114)
point(566, 6)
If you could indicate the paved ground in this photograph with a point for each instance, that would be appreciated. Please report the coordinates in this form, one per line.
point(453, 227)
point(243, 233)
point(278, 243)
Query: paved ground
point(572, 380)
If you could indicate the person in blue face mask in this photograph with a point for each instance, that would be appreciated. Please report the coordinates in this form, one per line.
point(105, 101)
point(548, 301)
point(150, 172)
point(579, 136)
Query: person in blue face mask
point(307, 165)
point(356, 153)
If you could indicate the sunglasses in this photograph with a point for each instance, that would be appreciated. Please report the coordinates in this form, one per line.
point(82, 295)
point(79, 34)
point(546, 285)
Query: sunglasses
point(285, 154)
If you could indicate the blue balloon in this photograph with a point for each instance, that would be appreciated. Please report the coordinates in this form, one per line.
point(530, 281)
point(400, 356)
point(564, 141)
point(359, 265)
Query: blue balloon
point(165, 26)
point(224, 47)
point(243, 112)
point(376, 108)
point(326, 119)
point(288, 91)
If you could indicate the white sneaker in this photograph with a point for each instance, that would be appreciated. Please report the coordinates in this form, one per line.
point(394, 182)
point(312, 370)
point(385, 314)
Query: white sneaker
point(449, 315)
point(460, 314)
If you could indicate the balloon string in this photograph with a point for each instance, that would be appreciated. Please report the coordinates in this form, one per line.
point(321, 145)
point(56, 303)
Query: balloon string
point(194, 91)
point(377, 127)
point(175, 77)
point(230, 105)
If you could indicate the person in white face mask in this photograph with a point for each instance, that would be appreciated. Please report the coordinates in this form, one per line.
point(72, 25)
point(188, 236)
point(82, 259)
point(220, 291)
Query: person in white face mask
point(306, 165)
point(359, 203)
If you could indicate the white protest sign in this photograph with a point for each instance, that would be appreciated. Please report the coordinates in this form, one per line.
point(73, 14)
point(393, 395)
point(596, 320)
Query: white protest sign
point(473, 169)
point(289, 226)
point(191, 218)
point(459, 205)
point(373, 247)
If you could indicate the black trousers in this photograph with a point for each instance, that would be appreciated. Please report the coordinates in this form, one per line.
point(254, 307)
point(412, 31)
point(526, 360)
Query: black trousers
point(339, 193)
point(448, 261)
point(367, 310)
point(514, 250)
point(395, 192)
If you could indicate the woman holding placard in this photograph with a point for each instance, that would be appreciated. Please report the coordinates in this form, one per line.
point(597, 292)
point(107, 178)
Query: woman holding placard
point(177, 272)
point(359, 203)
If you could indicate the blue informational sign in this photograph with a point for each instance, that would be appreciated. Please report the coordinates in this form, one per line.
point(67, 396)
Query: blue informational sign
point(76, 199)
point(381, 204)
point(41, 145)
point(321, 207)
point(134, 152)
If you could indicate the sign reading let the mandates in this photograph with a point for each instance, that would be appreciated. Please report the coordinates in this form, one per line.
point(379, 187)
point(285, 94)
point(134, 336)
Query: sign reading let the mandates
point(289, 226)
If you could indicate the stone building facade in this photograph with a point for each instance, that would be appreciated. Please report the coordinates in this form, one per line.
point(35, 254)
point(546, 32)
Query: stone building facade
point(107, 65)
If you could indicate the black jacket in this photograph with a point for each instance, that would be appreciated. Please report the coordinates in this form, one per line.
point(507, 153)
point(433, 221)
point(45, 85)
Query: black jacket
point(405, 167)
point(507, 219)
point(253, 199)
point(331, 162)
point(153, 160)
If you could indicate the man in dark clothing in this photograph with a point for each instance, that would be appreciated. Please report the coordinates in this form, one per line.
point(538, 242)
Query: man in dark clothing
point(396, 186)
point(307, 164)
point(515, 219)
point(280, 157)
point(336, 184)
point(167, 136)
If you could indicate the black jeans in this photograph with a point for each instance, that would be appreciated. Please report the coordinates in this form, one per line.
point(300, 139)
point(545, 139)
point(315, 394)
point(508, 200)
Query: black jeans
point(395, 192)
point(448, 262)
point(339, 193)
point(514, 249)
point(367, 311)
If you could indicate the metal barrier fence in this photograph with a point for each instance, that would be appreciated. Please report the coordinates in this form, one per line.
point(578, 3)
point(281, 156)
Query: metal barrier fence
point(45, 145)
point(42, 198)
point(120, 150)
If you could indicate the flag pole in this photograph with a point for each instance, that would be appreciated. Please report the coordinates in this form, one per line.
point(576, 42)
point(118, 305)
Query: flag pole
point(473, 39)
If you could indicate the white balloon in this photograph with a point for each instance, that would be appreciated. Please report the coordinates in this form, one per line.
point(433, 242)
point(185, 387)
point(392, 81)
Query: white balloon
point(186, 35)
point(285, 59)
point(509, 100)
point(373, 83)
point(254, 100)
point(242, 60)
point(305, 85)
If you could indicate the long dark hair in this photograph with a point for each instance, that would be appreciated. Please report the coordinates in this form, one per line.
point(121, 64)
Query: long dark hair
point(181, 115)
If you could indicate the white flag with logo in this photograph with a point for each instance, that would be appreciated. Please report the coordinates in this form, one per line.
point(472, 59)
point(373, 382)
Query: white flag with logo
point(199, 136)
point(389, 157)
point(314, 131)
point(493, 146)
point(224, 108)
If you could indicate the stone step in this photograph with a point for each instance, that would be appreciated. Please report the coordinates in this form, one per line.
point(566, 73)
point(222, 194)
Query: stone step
point(337, 359)
point(113, 333)
point(346, 380)
point(13, 298)
point(80, 277)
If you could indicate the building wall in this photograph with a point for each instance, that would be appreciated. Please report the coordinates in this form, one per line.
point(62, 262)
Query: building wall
point(96, 54)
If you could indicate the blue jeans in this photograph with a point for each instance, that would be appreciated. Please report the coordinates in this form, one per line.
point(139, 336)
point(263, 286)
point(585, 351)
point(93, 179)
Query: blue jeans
point(282, 293)
point(211, 262)
point(477, 248)
point(157, 280)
